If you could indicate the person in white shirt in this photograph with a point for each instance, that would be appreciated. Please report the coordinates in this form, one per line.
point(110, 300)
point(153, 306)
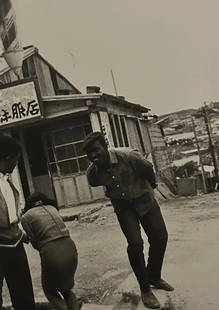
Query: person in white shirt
point(14, 267)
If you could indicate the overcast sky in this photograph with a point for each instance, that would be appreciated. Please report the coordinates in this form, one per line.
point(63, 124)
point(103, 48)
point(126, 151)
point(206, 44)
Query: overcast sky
point(164, 53)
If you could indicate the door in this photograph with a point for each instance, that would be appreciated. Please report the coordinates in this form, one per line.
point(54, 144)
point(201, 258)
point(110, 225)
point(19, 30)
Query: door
point(36, 157)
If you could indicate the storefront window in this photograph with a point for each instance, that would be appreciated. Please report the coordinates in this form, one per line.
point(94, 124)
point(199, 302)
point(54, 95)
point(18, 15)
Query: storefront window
point(78, 148)
point(78, 134)
point(62, 136)
point(51, 155)
point(83, 163)
point(118, 128)
point(68, 167)
point(125, 137)
point(113, 130)
point(65, 150)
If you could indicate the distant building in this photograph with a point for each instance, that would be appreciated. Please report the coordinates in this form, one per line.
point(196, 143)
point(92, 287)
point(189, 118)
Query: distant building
point(214, 105)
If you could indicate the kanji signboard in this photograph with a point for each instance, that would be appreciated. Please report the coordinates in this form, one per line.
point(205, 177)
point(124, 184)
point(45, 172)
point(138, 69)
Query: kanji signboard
point(19, 102)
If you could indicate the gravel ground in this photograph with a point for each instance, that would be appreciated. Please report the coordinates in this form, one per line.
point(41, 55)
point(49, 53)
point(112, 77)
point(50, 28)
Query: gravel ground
point(191, 261)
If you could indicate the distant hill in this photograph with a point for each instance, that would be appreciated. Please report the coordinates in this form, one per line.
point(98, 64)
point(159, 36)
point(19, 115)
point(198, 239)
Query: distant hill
point(182, 114)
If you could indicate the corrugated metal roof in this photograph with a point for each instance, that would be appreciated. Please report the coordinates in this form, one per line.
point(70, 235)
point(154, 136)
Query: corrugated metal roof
point(71, 96)
point(95, 96)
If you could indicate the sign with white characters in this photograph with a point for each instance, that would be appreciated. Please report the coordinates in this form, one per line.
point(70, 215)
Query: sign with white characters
point(19, 102)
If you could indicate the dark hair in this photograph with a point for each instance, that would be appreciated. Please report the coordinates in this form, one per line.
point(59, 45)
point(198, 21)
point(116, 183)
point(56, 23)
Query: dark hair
point(9, 146)
point(38, 199)
point(91, 138)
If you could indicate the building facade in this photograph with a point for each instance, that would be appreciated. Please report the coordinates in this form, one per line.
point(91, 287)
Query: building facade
point(51, 118)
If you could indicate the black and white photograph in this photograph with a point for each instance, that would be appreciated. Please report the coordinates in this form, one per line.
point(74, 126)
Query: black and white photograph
point(109, 155)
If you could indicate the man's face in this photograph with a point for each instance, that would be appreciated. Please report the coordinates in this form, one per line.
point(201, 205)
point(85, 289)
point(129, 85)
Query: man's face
point(98, 154)
point(8, 163)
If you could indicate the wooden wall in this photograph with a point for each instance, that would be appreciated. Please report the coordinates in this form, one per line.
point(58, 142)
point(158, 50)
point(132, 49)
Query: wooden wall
point(44, 77)
point(144, 125)
point(35, 65)
point(156, 137)
point(63, 84)
point(74, 190)
point(134, 138)
point(161, 158)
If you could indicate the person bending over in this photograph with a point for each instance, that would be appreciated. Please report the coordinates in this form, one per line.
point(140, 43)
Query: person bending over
point(48, 234)
point(129, 180)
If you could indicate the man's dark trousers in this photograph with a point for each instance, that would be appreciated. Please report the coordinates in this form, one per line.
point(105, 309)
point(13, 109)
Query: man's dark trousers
point(155, 229)
point(15, 269)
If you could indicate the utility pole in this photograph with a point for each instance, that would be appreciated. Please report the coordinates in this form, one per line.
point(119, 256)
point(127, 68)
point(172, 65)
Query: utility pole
point(211, 146)
point(114, 83)
point(200, 157)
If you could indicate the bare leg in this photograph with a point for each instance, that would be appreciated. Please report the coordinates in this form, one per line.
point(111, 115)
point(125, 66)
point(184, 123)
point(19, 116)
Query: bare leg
point(71, 300)
point(56, 300)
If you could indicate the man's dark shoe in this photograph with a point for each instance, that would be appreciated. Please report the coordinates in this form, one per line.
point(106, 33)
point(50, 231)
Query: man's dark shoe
point(161, 284)
point(150, 300)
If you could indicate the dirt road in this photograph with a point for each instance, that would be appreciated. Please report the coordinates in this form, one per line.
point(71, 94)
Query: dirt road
point(192, 259)
point(191, 262)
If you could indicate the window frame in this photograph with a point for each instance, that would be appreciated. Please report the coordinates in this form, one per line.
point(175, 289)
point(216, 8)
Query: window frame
point(54, 146)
